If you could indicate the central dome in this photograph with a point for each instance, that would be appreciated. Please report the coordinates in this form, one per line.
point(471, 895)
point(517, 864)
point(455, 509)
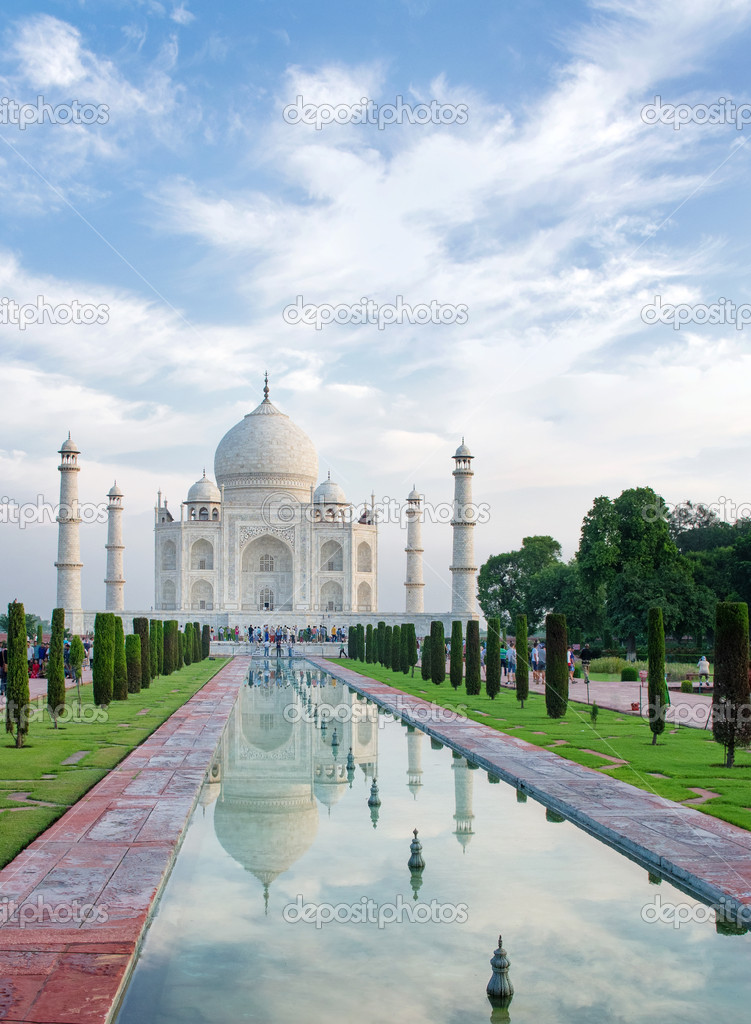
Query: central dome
point(266, 450)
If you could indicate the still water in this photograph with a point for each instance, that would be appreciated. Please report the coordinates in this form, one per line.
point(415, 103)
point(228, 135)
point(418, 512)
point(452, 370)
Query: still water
point(283, 840)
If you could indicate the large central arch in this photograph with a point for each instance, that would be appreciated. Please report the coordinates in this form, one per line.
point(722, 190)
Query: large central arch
point(267, 566)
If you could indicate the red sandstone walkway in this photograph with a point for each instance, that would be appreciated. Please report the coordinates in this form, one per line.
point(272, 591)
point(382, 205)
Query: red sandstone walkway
point(709, 857)
point(112, 850)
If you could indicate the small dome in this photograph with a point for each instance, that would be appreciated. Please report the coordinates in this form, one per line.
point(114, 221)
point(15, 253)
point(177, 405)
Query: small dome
point(329, 493)
point(414, 494)
point(204, 490)
point(114, 491)
point(70, 446)
point(463, 452)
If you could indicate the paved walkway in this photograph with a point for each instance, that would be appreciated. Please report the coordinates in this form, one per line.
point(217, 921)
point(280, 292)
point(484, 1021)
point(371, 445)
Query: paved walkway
point(113, 850)
point(707, 857)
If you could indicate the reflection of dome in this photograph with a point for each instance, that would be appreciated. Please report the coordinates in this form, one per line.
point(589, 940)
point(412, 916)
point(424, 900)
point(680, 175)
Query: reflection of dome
point(266, 449)
point(329, 791)
point(204, 490)
point(264, 838)
point(266, 731)
point(329, 493)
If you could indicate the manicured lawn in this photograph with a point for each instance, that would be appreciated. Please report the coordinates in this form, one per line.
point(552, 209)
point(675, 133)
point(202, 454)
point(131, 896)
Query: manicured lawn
point(115, 731)
point(688, 757)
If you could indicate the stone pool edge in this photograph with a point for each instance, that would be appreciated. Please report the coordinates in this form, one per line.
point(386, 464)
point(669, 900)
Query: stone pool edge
point(705, 856)
point(114, 849)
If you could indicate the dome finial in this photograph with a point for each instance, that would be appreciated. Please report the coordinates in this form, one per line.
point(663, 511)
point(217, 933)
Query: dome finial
point(329, 476)
point(266, 386)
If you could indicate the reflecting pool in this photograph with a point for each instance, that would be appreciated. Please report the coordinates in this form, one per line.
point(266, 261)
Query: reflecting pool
point(291, 899)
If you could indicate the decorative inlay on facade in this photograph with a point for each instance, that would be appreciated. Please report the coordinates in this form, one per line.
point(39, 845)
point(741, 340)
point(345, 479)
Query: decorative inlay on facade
point(246, 532)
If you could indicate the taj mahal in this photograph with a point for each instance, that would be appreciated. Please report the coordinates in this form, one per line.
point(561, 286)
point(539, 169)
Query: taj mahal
point(265, 541)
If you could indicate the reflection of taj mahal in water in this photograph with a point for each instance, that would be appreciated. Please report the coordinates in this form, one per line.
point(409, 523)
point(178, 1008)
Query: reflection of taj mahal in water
point(276, 768)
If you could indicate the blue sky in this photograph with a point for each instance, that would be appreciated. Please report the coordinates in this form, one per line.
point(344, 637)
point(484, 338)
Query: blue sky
point(196, 214)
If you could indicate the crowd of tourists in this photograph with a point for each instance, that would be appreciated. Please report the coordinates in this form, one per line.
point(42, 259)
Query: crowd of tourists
point(285, 634)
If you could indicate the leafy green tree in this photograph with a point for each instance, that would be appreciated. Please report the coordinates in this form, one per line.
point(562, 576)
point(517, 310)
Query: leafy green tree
point(456, 658)
point(188, 655)
point(206, 642)
point(437, 652)
point(141, 627)
point(386, 653)
point(17, 695)
point(396, 648)
point(556, 675)
point(493, 658)
point(56, 666)
point(133, 662)
point(154, 647)
point(425, 658)
point(522, 659)
point(656, 673)
point(473, 678)
point(503, 583)
point(731, 710)
point(103, 663)
point(119, 667)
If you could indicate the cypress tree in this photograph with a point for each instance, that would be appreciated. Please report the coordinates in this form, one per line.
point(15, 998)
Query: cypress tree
point(180, 647)
point(456, 658)
point(556, 676)
point(17, 695)
point(473, 680)
point(206, 642)
point(133, 661)
point(160, 646)
point(119, 669)
point(40, 634)
point(387, 638)
point(168, 646)
point(196, 642)
point(361, 642)
point(103, 664)
point(380, 640)
point(412, 647)
point(188, 653)
point(656, 675)
point(141, 627)
point(437, 652)
point(369, 644)
point(396, 648)
point(154, 647)
point(404, 652)
point(56, 665)
point(425, 658)
point(493, 659)
point(522, 659)
point(730, 700)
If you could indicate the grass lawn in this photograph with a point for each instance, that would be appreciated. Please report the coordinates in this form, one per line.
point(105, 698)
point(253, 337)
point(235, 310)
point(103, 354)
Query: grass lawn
point(688, 757)
point(105, 743)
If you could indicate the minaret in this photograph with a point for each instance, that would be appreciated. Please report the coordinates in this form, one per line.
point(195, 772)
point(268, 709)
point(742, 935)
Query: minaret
point(115, 581)
point(414, 760)
point(69, 562)
point(463, 785)
point(463, 568)
point(414, 582)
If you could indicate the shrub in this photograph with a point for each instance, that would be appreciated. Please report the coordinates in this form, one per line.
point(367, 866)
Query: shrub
point(133, 661)
point(687, 686)
point(493, 658)
point(56, 665)
point(473, 679)
point(17, 692)
point(594, 712)
point(103, 665)
point(556, 676)
point(437, 652)
point(629, 674)
point(577, 672)
point(119, 671)
point(456, 658)
point(607, 666)
point(522, 659)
